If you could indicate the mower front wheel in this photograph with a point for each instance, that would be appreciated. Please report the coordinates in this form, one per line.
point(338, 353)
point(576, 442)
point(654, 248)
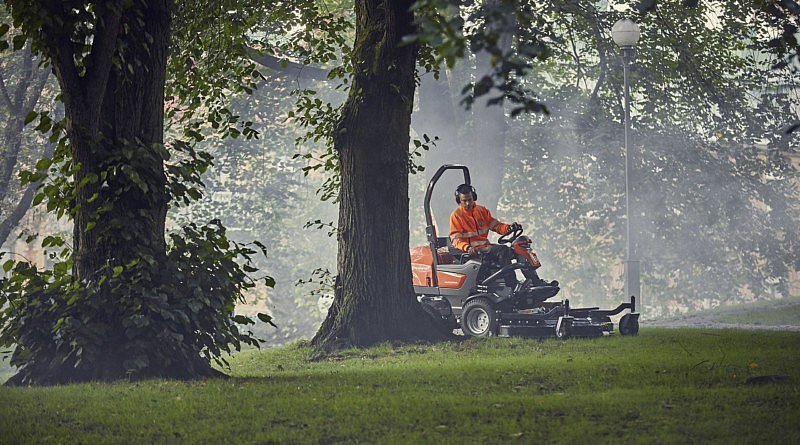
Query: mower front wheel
point(478, 318)
point(629, 325)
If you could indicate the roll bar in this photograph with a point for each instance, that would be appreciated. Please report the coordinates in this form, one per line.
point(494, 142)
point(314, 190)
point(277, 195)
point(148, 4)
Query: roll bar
point(430, 232)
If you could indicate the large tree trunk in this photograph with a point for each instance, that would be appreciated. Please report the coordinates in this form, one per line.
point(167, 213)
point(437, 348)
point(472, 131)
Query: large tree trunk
point(121, 138)
point(374, 299)
point(115, 119)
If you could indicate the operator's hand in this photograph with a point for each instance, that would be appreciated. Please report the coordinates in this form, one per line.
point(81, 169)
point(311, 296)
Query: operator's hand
point(476, 251)
point(513, 227)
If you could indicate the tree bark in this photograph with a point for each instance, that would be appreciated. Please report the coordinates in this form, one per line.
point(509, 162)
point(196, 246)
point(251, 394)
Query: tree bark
point(115, 121)
point(119, 134)
point(374, 299)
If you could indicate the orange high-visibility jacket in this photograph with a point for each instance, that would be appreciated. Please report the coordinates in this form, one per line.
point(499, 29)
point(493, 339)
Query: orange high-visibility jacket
point(470, 228)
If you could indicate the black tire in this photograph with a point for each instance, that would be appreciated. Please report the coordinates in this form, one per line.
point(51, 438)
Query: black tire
point(479, 318)
point(628, 325)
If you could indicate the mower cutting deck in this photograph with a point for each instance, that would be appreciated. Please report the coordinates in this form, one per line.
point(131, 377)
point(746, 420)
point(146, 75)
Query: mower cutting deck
point(463, 292)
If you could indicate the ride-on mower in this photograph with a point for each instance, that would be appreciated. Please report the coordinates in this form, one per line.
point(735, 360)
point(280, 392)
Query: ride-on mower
point(485, 299)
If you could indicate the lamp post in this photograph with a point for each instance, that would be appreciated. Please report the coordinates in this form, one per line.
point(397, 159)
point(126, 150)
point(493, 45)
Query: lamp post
point(625, 34)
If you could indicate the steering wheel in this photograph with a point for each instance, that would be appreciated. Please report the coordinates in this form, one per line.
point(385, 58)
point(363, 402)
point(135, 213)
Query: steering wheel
point(513, 234)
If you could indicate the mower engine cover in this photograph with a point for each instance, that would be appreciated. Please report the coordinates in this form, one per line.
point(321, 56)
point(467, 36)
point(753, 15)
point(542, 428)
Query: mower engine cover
point(522, 247)
point(422, 268)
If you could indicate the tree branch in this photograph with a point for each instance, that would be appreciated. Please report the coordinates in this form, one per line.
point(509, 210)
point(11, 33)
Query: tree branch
point(60, 49)
point(12, 143)
point(27, 73)
point(8, 224)
point(3, 91)
point(601, 54)
point(292, 69)
point(22, 104)
point(15, 103)
point(578, 65)
point(36, 92)
point(99, 61)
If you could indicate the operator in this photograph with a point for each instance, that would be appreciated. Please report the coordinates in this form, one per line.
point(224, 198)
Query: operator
point(470, 224)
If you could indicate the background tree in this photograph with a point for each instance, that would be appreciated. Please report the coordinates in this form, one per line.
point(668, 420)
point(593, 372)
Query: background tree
point(129, 306)
point(709, 154)
point(257, 189)
point(22, 84)
point(374, 300)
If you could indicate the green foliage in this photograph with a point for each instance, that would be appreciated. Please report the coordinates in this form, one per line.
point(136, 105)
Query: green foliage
point(147, 309)
point(322, 281)
point(320, 119)
point(148, 313)
point(713, 199)
point(420, 146)
point(451, 30)
point(785, 16)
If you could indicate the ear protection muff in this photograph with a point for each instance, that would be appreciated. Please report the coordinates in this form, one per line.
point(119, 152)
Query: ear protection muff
point(464, 189)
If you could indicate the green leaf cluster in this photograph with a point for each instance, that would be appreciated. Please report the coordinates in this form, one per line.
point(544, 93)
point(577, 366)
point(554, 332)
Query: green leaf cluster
point(141, 315)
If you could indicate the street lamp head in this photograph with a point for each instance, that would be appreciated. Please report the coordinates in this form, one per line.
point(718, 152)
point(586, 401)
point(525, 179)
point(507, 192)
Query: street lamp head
point(625, 33)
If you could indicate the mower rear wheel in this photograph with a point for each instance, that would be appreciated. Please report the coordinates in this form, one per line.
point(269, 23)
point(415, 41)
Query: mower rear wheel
point(478, 318)
point(628, 325)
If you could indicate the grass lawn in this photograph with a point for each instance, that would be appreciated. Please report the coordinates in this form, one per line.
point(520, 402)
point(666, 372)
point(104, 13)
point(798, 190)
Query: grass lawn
point(787, 315)
point(664, 386)
point(783, 312)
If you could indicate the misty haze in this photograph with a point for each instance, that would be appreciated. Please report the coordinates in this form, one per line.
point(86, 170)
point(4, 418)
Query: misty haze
point(235, 192)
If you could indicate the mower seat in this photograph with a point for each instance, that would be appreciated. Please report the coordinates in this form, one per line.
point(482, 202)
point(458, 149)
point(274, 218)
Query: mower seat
point(459, 257)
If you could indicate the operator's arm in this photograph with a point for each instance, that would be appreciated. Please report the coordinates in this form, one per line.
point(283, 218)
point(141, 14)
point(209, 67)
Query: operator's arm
point(457, 234)
point(496, 226)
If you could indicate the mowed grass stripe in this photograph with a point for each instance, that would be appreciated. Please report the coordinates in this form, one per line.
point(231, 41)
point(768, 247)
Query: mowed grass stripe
point(788, 316)
point(666, 385)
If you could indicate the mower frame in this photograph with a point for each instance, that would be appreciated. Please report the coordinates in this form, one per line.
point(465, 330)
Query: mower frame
point(500, 308)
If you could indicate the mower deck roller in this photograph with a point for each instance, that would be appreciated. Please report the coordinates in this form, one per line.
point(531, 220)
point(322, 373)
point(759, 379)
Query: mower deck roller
point(454, 287)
